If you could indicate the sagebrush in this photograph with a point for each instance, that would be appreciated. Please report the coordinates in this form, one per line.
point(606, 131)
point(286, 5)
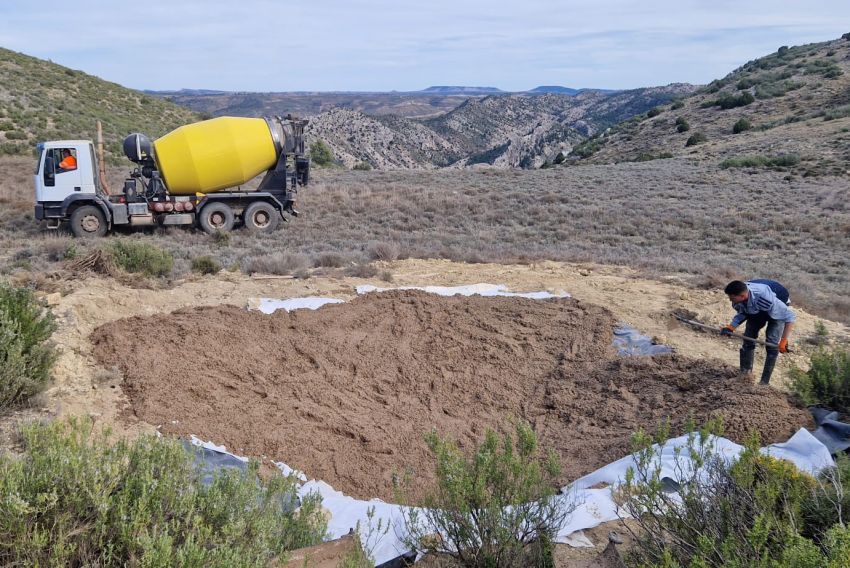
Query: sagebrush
point(79, 498)
point(26, 356)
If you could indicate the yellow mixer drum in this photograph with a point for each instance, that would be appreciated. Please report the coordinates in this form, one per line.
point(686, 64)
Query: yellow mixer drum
point(214, 154)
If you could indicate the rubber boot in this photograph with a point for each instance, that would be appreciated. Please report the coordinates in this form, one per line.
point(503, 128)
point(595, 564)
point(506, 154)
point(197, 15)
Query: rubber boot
point(769, 364)
point(747, 357)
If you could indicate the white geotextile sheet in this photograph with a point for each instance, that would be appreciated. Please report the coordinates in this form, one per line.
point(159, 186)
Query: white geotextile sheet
point(271, 305)
point(595, 506)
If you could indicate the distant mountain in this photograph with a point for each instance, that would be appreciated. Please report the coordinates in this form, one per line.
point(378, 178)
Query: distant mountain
point(554, 89)
point(40, 100)
point(189, 92)
point(456, 90)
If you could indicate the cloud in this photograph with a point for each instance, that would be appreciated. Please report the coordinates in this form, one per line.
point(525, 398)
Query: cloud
point(381, 45)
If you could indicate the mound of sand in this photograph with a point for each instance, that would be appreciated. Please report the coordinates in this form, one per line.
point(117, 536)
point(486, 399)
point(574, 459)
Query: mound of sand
point(346, 393)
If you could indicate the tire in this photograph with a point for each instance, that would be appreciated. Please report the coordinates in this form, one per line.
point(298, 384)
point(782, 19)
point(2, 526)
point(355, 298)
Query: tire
point(216, 218)
point(88, 221)
point(261, 217)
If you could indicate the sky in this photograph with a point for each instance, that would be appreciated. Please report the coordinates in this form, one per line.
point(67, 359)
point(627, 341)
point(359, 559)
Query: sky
point(383, 45)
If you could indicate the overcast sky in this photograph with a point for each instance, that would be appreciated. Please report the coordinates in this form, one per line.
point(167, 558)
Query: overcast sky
point(363, 45)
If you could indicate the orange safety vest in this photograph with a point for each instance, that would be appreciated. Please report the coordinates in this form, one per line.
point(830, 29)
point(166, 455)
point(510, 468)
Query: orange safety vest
point(69, 163)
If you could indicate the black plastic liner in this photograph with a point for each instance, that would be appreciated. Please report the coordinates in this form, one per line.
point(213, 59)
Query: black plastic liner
point(831, 432)
point(630, 342)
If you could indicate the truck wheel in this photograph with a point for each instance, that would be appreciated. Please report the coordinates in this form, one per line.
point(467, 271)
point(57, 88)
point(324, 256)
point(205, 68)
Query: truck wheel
point(88, 221)
point(216, 218)
point(261, 217)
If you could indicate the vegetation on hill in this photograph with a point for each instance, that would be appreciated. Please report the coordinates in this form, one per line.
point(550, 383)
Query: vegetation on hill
point(795, 101)
point(40, 100)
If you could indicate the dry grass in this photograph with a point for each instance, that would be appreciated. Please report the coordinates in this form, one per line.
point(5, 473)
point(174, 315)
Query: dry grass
point(665, 216)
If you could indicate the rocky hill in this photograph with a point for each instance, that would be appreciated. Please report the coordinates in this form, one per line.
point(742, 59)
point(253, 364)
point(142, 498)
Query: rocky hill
point(502, 130)
point(40, 100)
point(789, 110)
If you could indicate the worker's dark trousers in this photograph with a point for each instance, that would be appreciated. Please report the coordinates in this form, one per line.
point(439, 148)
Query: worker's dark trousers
point(748, 348)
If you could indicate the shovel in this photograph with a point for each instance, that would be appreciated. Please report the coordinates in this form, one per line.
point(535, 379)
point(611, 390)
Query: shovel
point(714, 329)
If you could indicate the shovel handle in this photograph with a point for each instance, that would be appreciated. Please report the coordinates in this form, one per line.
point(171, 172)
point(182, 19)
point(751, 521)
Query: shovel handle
point(733, 334)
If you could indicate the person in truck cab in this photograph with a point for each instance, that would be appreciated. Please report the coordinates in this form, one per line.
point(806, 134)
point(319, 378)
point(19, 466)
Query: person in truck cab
point(68, 162)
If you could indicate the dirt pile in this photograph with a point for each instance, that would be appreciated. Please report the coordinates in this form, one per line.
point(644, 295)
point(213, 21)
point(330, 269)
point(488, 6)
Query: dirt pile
point(346, 393)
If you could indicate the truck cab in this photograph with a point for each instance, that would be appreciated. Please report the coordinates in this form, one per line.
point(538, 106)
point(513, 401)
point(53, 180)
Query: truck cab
point(63, 185)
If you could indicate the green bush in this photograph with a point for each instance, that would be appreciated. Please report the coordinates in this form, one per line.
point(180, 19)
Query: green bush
point(362, 166)
point(141, 258)
point(205, 265)
point(836, 113)
point(588, 147)
point(493, 509)
point(827, 382)
point(682, 125)
point(79, 498)
point(781, 161)
point(321, 154)
point(727, 101)
point(741, 126)
point(653, 112)
point(697, 138)
point(751, 512)
point(26, 358)
point(677, 105)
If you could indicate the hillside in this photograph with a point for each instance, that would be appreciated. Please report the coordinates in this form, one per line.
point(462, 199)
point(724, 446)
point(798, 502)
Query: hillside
point(40, 100)
point(501, 130)
point(788, 110)
point(412, 105)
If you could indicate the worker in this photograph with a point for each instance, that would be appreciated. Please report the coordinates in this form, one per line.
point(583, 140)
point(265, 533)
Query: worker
point(760, 303)
point(68, 162)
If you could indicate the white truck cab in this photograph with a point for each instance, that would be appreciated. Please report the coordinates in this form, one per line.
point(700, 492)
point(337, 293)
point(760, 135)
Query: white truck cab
point(60, 190)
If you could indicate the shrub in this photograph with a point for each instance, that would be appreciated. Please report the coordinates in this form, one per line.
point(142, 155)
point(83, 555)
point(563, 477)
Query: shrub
point(653, 112)
point(781, 161)
point(205, 265)
point(362, 166)
point(361, 271)
point(80, 498)
point(746, 513)
point(677, 105)
point(782, 50)
point(382, 251)
point(330, 260)
point(827, 382)
point(321, 154)
point(741, 126)
point(560, 158)
point(26, 358)
point(682, 125)
point(836, 113)
point(697, 138)
point(727, 101)
point(495, 508)
point(278, 263)
point(588, 147)
point(141, 258)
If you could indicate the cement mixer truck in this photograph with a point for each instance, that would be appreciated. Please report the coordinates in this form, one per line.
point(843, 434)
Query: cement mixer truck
point(192, 176)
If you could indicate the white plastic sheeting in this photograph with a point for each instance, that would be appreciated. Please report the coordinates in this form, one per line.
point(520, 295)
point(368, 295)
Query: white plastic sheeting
point(595, 506)
point(271, 305)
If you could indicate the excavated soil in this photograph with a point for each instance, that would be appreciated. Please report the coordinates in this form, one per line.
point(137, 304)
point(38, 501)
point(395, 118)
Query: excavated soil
point(345, 393)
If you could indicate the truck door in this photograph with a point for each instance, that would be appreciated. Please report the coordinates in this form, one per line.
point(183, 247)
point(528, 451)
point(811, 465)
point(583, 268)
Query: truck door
point(67, 178)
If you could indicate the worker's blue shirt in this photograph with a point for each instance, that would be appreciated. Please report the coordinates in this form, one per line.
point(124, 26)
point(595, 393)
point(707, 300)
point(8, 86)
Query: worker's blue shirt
point(762, 299)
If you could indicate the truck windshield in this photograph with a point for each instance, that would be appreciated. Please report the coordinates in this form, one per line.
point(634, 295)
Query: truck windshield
point(39, 151)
